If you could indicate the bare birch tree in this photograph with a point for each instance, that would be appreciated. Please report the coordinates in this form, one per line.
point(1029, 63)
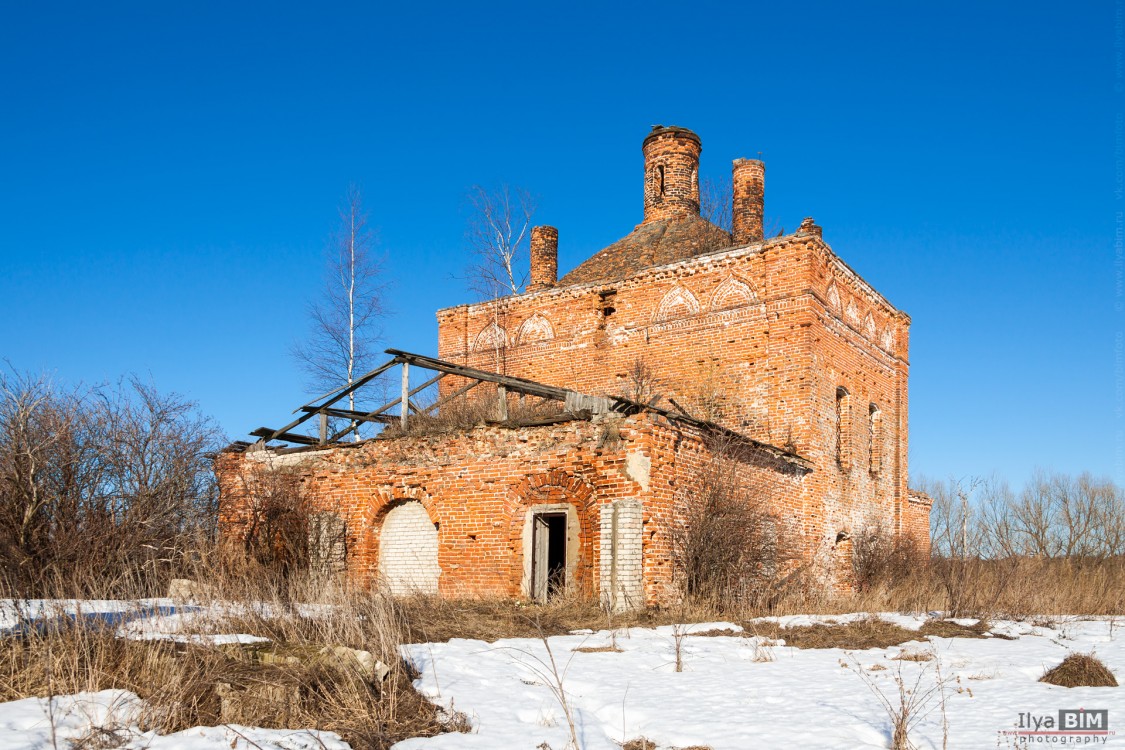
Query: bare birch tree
point(345, 318)
point(499, 237)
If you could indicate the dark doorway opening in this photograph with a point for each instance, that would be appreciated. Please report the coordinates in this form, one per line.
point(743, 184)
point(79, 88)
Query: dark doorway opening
point(548, 562)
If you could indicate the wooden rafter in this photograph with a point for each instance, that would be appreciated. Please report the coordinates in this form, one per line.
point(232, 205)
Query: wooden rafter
point(578, 405)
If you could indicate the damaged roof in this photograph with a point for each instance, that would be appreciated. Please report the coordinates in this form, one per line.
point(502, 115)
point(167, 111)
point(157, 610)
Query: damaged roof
point(652, 243)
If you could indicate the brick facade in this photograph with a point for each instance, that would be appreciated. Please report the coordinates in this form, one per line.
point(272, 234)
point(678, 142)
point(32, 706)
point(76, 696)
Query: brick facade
point(776, 339)
point(477, 487)
point(758, 334)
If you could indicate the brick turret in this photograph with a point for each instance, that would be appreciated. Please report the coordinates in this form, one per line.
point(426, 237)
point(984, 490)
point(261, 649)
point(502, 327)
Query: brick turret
point(748, 180)
point(544, 258)
point(671, 173)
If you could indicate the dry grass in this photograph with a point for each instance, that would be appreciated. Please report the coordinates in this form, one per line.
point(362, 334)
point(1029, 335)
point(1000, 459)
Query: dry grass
point(865, 633)
point(640, 743)
point(861, 634)
point(285, 684)
point(950, 629)
point(469, 411)
point(1080, 670)
point(280, 686)
point(1009, 588)
point(434, 619)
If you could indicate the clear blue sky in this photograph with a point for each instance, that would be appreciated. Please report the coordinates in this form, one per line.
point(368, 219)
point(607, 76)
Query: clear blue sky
point(168, 176)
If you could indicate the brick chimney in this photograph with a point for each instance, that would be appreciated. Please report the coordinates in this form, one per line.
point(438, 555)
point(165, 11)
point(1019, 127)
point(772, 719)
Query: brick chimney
point(544, 258)
point(671, 173)
point(748, 179)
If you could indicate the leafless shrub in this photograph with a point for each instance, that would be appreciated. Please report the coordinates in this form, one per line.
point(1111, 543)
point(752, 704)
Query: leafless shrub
point(882, 559)
point(716, 200)
point(273, 521)
point(642, 383)
point(910, 701)
point(123, 465)
point(716, 203)
point(727, 545)
point(679, 632)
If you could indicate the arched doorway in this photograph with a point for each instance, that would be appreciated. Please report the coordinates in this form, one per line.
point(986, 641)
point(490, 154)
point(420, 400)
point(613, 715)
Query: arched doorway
point(408, 550)
point(552, 516)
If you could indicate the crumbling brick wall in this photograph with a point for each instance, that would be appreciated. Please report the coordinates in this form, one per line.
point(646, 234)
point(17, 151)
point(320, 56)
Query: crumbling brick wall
point(478, 486)
point(759, 338)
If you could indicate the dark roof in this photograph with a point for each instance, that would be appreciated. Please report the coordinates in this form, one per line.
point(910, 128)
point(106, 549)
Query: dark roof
point(651, 244)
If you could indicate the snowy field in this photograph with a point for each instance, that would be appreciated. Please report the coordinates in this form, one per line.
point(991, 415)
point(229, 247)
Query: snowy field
point(103, 721)
point(734, 692)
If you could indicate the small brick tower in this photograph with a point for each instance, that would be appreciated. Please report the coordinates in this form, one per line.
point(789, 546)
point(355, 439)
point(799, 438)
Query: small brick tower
point(748, 180)
point(671, 173)
point(544, 258)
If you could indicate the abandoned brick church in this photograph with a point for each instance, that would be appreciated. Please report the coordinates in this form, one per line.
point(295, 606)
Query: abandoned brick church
point(675, 334)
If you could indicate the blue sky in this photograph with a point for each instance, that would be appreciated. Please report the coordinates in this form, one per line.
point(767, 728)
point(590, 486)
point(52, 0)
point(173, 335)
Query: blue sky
point(169, 175)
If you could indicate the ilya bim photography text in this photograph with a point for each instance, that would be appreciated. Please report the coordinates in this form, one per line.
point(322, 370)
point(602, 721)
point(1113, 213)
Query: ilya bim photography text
point(1073, 727)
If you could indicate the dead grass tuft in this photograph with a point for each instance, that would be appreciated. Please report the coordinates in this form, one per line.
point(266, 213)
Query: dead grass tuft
point(466, 412)
point(862, 634)
point(1080, 670)
point(607, 649)
point(950, 629)
point(869, 632)
point(640, 743)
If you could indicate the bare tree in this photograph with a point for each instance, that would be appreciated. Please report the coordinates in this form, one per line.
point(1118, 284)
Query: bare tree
point(345, 319)
point(1056, 516)
point(275, 515)
point(716, 198)
point(499, 235)
point(716, 205)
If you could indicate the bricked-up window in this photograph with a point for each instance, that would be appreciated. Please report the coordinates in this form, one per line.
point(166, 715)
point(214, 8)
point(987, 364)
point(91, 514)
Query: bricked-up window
point(843, 428)
point(875, 435)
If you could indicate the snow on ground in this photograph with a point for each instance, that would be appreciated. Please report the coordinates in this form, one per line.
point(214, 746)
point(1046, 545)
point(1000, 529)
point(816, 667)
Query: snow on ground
point(735, 691)
point(731, 697)
point(144, 619)
point(107, 719)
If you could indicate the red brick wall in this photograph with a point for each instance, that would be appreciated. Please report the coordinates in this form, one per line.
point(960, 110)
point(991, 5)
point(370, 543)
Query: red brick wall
point(758, 337)
point(478, 485)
